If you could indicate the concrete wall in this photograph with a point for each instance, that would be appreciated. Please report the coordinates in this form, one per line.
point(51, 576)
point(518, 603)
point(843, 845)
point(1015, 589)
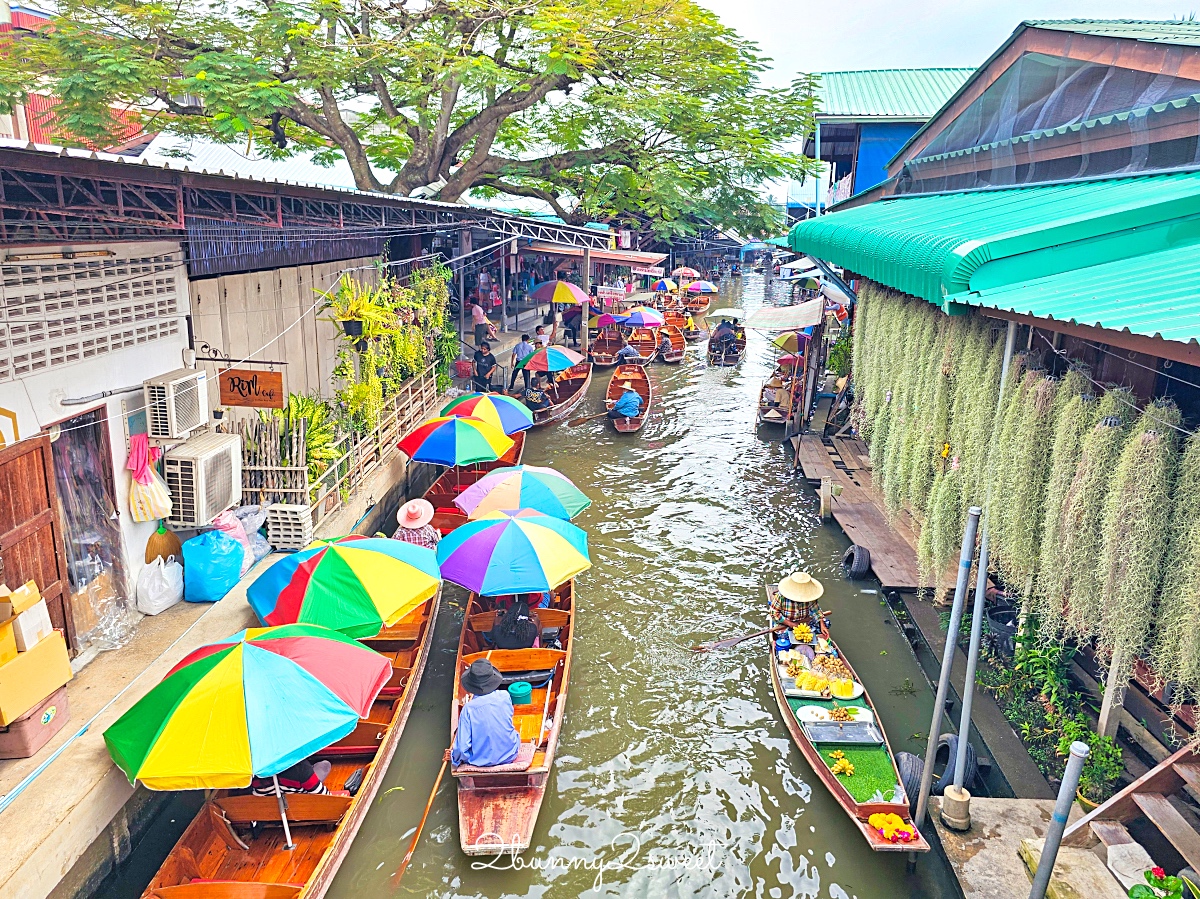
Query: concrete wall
point(275, 315)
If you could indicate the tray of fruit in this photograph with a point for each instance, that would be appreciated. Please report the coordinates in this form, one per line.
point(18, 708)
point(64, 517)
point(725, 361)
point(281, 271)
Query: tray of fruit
point(807, 713)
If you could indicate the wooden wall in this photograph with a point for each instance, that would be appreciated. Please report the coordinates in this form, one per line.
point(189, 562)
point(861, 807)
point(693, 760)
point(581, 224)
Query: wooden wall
point(239, 315)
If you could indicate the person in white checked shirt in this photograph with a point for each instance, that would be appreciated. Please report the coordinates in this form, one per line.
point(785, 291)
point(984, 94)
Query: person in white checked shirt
point(414, 518)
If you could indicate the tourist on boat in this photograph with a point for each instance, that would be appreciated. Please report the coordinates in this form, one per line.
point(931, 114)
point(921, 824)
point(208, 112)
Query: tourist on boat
point(485, 367)
point(523, 350)
point(504, 602)
point(480, 320)
point(628, 404)
point(485, 735)
point(664, 342)
point(302, 777)
point(517, 628)
point(536, 397)
point(628, 353)
point(414, 519)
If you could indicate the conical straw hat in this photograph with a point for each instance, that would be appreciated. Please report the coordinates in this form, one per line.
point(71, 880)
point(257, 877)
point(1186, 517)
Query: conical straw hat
point(800, 586)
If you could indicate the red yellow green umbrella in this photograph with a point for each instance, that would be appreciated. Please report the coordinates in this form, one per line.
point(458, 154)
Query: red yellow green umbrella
point(496, 409)
point(551, 358)
point(455, 440)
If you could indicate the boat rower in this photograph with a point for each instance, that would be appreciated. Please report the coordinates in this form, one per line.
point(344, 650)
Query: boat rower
point(628, 353)
point(628, 404)
point(664, 342)
point(485, 736)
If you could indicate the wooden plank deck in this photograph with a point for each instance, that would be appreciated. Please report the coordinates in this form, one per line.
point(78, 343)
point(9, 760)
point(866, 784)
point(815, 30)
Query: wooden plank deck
point(860, 510)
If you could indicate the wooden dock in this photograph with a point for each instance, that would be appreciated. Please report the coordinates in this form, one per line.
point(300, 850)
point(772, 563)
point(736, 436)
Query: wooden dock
point(860, 510)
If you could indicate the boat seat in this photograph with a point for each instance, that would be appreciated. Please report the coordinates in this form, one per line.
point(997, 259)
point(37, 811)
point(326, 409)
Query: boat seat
point(226, 889)
point(521, 763)
point(534, 678)
point(302, 808)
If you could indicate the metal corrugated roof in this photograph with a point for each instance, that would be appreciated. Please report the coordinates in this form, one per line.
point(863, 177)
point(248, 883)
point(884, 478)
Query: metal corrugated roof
point(1152, 295)
point(887, 93)
point(1155, 31)
point(941, 246)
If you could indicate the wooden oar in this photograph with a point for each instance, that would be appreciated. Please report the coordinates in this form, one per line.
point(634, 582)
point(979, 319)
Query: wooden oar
point(417, 836)
point(729, 642)
point(578, 421)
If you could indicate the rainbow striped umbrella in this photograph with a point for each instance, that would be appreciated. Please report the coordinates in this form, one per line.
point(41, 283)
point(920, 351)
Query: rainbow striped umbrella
point(664, 284)
point(250, 706)
point(791, 341)
point(523, 487)
point(356, 585)
point(456, 440)
point(496, 409)
point(559, 292)
point(702, 287)
point(644, 317)
point(551, 358)
point(521, 552)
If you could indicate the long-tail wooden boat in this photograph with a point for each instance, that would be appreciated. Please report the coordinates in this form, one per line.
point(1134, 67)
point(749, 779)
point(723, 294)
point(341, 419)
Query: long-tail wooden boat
point(453, 481)
point(726, 353)
point(636, 377)
point(863, 739)
point(678, 343)
point(605, 347)
point(235, 847)
point(645, 341)
point(698, 303)
point(497, 809)
point(570, 387)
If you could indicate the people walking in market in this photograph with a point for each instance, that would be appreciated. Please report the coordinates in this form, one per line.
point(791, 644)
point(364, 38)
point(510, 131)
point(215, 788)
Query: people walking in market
point(486, 735)
point(485, 367)
point(480, 320)
point(523, 350)
point(414, 519)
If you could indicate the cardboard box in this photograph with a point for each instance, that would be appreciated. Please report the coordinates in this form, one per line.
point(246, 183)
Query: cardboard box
point(32, 626)
point(32, 676)
point(33, 730)
point(14, 602)
point(8, 643)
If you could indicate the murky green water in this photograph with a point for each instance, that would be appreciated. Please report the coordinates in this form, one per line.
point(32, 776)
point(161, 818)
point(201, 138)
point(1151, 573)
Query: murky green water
point(674, 771)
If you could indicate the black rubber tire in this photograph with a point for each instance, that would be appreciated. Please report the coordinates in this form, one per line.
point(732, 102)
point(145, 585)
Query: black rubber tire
point(856, 563)
point(910, 767)
point(949, 743)
point(1191, 875)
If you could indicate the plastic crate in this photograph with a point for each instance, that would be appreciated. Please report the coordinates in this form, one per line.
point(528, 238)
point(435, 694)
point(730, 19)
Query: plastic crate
point(463, 368)
point(289, 526)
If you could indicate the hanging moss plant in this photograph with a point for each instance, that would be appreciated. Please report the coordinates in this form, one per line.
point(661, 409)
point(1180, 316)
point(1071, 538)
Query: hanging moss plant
point(1082, 525)
point(1137, 517)
point(941, 537)
point(1176, 635)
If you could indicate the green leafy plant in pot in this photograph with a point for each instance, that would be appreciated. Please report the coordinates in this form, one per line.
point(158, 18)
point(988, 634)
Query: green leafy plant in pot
point(1159, 885)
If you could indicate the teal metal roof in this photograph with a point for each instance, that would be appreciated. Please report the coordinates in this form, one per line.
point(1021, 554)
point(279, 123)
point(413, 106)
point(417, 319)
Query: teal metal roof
point(945, 247)
point(1155, 31)
point(778, 241)
point(1153, 295)
point(887, 93)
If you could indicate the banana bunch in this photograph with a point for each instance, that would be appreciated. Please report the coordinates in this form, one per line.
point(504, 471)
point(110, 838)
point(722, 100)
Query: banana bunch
point(841, 765)
point(802, 633)
point(812, 681)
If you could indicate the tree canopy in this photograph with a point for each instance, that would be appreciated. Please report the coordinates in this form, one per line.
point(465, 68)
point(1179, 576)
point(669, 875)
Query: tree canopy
point(605, 109)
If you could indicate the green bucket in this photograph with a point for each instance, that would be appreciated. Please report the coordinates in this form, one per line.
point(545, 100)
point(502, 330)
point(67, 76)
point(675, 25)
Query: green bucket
point(520, 692)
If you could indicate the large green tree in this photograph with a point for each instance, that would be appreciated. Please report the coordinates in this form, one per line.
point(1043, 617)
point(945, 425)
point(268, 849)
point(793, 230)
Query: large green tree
point(601, 108)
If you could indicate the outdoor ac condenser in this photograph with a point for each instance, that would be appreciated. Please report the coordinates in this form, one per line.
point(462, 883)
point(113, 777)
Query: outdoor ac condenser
point(176, 404)
point(204, 476)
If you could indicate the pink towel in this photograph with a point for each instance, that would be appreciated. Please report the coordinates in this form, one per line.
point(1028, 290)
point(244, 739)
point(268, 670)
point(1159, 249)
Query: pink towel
point(141, 456)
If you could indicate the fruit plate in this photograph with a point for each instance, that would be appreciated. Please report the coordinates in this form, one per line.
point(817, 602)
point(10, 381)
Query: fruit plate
point(816, 713)
point(855, 693)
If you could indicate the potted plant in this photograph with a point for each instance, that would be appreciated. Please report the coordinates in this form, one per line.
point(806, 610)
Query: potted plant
point(1102, 767)
point(355, 306)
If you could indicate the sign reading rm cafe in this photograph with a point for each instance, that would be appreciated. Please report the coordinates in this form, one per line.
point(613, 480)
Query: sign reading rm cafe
point(258, 389)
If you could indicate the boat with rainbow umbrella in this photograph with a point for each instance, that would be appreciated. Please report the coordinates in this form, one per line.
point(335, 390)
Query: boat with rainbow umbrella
point(455, 440)
point(503, 553)
point(246, 710)
point(572, 373)
point(523, 487)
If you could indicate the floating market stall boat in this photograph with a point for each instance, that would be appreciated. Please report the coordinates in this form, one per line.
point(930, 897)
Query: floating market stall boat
point(453, 481)
point(777, 398)
point(679, 318)
point(605, 347)
point(831, 719)
point(635, 376)
point(678, 343)
point(498, 807)
point(726, 352)
point(569, 389)
point(698, 304)
point(645, 341)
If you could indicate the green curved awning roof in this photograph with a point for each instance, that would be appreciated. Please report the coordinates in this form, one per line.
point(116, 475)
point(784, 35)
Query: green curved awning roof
point(941, 246)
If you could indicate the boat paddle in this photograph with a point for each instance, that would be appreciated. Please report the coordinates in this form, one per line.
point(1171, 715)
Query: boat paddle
point(575, 422)
point(730, 642)
point(417, 836)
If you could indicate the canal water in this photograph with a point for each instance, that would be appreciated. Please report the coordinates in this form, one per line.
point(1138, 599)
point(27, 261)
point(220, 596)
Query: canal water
point(675, 775)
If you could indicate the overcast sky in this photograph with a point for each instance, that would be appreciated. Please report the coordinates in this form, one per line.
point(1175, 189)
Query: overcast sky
point(832, 35)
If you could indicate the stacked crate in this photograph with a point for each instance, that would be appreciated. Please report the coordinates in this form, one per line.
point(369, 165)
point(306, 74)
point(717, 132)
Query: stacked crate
point(289, 526)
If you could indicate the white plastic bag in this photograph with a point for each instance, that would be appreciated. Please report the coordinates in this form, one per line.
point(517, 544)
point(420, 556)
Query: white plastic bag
point(159, 585)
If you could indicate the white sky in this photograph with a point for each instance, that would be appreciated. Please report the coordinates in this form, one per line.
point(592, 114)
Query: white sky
point(832, 35)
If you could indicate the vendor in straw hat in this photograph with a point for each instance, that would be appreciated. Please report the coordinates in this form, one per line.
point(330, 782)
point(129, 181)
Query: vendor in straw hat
point(796, 600)
point(414, 518)
point(485, 735)
point(628, 405)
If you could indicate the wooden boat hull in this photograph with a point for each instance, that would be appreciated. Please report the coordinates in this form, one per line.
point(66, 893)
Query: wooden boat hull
point(645, 341)
point(858, 812)
point(699, 304)
point(731, 357)
point(604, 350)
point(451, 482)
point(209, 860)
point(678, 344)
point(497, 812)
point(635, 375)
point(571, 392)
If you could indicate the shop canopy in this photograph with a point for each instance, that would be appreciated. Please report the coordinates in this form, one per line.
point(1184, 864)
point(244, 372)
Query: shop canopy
point(1116, 251)
point(787, 318)
point(616, 257)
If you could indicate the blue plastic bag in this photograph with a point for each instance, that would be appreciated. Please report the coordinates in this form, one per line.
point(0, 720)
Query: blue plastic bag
point(212, 565)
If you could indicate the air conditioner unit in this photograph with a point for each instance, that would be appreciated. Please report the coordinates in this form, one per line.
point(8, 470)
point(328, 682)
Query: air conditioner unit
point(204, 476)
point(176, 403)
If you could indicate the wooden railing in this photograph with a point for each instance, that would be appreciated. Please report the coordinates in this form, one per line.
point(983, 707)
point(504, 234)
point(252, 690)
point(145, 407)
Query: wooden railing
point(267, 477)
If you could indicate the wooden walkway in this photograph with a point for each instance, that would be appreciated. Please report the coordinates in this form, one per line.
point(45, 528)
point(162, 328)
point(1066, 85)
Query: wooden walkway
point(860, 510)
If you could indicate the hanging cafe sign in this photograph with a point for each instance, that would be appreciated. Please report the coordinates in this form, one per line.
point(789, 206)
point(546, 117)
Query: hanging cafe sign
point(257, 389)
